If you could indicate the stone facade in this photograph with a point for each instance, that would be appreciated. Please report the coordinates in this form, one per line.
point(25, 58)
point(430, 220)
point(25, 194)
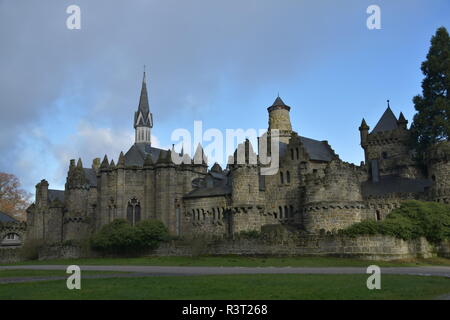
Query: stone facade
point(313, 190)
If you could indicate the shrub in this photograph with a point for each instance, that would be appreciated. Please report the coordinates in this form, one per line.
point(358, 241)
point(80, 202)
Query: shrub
point(120, 237)
point(151, 233)
point(412, 220)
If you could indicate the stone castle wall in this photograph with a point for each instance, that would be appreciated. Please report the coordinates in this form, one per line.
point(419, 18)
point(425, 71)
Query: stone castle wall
point(363, 247)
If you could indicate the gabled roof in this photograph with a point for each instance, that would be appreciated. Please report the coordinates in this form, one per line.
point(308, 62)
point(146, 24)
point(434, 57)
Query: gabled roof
point(317, 150)
point(91, 176)
point(387, 122)
point(218, 191)
point(6, 218)
point(137, 153)
point(56, 195)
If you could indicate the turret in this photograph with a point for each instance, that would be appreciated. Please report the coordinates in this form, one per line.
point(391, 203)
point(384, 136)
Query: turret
point(245, 178)
point(438, 164)
point(364, 132)
point(402, 122)
point(279, 119)
point(42, 193)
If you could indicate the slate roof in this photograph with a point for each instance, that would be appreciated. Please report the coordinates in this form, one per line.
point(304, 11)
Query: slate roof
point(143, 100)
point(278, 102)
point(135, 156)
point(394, 184)
point(91, 175)
point(56, 195)
point(143, 108)
point(387, 122)
point(209, 192)
point(6, 218)
point(317, 150)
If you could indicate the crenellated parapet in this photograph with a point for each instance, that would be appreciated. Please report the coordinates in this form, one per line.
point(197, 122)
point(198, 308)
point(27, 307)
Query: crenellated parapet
point(339, 180)
point(76, 177)
point(398, 135)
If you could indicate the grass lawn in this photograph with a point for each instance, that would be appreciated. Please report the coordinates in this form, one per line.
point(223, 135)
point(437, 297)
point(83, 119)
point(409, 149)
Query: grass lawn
point(246, 261)
point(235, 287)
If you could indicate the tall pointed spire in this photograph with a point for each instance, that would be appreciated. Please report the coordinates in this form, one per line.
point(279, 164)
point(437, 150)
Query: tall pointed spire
point(143, 100)
point(143, 119)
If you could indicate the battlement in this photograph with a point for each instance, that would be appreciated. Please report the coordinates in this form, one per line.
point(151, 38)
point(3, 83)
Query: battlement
point(387, 137)
point(338, 181)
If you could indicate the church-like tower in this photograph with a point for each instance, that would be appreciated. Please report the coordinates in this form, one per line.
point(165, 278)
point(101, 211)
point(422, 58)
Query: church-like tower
point(143, 118)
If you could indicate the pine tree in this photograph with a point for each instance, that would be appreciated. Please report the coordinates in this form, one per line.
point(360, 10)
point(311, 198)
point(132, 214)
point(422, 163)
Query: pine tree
point(432, 121)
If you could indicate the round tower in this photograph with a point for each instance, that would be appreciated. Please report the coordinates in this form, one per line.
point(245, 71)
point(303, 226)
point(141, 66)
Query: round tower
point(438, 164)
point(279, 119)
point(244, 178)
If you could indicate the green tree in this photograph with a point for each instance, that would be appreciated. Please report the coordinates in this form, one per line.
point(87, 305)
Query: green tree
point(432, 121)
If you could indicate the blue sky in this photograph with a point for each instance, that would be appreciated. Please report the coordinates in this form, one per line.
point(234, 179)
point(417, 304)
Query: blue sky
point(72, 93)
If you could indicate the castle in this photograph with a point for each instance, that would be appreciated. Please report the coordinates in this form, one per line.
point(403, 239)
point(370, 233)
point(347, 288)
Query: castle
point(313, 190)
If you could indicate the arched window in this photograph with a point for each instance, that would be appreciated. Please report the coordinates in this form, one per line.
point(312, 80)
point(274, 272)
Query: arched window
point(281, 177)
point(292, 154)
point(286, 212)
point(133, 211)
point(288, 177)
point(280, 209)
point(291, 212)
point(296, 151)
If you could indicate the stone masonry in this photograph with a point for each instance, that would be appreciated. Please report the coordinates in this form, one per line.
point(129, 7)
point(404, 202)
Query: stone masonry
point(313, 190)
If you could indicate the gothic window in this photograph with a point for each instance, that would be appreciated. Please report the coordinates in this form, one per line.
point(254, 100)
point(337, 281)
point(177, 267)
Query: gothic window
point(281, 177)
point(286, 212)
point(133, 211)
point(193, 214)
point(292, 154)
point(291, 212)
point(296, 151)
point(280, 209)
point(288, 177)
